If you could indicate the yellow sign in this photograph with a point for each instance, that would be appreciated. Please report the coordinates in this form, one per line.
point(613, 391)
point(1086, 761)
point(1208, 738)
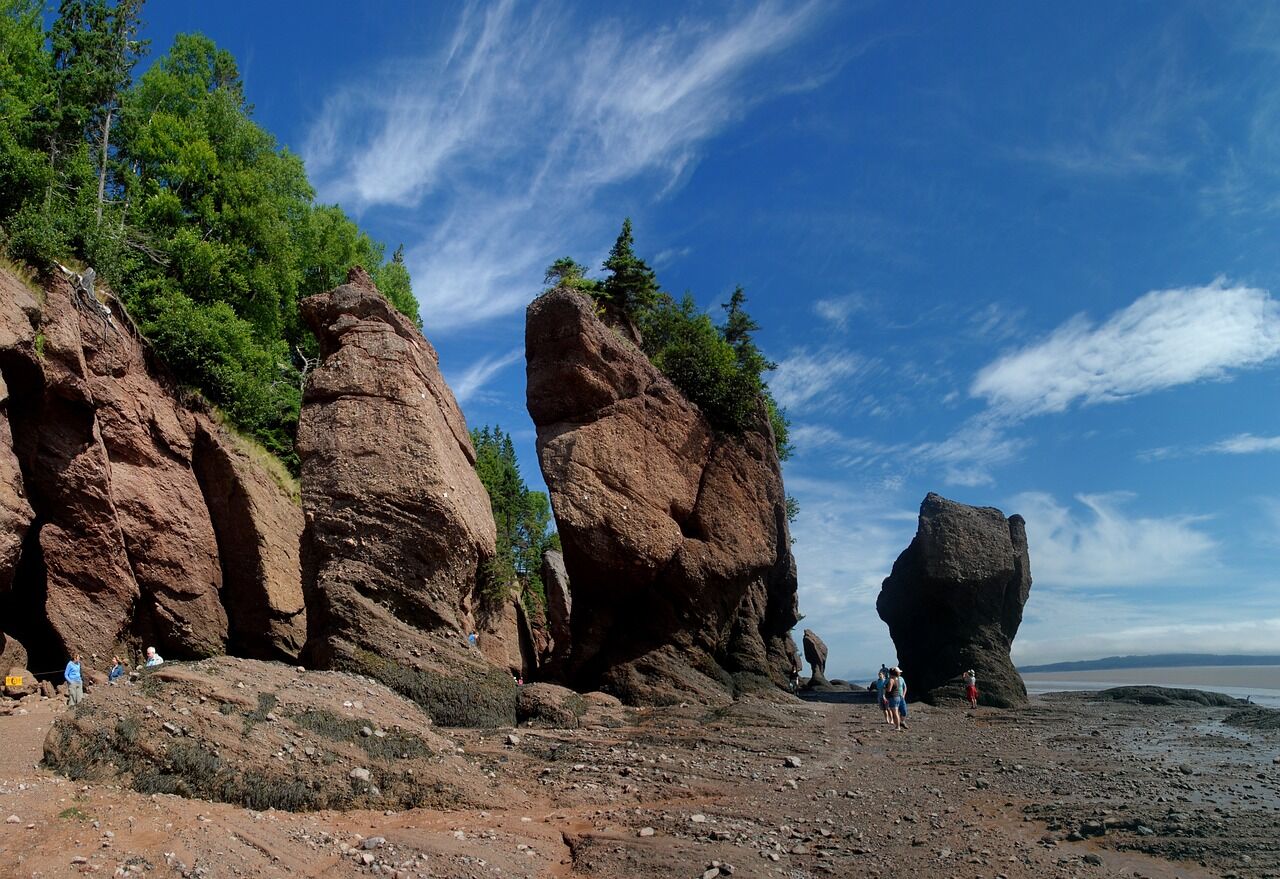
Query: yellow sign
point(14, 681)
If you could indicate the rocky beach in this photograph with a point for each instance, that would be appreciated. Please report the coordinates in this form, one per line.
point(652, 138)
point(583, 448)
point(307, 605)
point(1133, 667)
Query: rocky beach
point(1066, 786)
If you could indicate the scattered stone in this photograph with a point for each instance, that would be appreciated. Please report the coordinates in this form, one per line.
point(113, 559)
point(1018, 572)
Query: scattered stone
point(645, 831)
point(792, 762)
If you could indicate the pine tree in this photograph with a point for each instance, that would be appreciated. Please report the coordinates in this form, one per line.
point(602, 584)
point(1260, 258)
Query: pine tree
point(632, 287)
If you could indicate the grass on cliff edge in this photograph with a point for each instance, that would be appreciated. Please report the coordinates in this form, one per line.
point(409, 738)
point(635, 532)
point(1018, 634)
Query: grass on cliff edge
point(258, 453)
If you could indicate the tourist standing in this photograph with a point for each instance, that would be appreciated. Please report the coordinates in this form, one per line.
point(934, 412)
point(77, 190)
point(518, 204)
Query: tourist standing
point(882, 681)
point(75, 683)
point(902, 699)
point(971, 688)
point(891, 696)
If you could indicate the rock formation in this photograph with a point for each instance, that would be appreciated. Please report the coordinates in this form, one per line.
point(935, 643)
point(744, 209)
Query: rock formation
point(675, 537)
point(815, 653)
point(555, 583)
point(259, 526)
point(954, 601)
point(105, 532)
point(398, 528)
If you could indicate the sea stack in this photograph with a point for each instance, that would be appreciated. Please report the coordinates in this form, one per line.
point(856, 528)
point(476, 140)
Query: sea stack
point(954, 601)
point(398, 526)
point(675, 536)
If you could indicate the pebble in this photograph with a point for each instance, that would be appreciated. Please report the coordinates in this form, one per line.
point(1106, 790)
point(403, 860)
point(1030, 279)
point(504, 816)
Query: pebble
point(359, 774)
point(373, 842)
point(513, 739)
point(645, 831)
point(13, 819)
point(791, 762)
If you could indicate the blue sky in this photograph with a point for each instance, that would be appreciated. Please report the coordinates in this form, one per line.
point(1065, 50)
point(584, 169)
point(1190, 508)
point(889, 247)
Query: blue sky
point(1023, 255)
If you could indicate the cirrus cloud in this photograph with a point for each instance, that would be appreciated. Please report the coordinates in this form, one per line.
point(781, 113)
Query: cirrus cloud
point(1164, 339)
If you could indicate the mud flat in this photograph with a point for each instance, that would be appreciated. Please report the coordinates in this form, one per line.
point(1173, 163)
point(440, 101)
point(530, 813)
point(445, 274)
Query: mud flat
point(1067, 787)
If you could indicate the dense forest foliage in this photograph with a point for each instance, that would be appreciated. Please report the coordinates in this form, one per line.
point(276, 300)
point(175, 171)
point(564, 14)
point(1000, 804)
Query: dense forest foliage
point(205, 227)
point(522, 517)
point(719, 368)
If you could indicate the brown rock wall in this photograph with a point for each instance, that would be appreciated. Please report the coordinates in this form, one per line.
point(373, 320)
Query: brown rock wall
point(675, 538)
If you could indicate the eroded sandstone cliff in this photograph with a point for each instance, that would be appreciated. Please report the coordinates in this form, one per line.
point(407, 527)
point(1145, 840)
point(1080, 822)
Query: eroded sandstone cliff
point(675, 537)
point(954, 602)
point(108, 540)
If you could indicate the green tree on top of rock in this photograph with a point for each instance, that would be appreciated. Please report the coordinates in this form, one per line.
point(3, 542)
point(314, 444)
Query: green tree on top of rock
point(718, 368)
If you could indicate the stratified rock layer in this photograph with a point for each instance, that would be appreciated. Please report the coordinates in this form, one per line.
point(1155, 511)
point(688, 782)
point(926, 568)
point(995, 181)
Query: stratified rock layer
point(675, 537)
point(106, 538)
point(954, 601)
point(398, 526)
point(815, 653)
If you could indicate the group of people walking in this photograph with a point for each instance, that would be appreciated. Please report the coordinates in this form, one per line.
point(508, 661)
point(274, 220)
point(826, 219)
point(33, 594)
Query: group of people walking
point(73, 674)
point(891, 694)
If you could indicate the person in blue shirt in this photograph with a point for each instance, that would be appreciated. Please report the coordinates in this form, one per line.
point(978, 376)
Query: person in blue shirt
point(117, 670)
point(882, 681)
point(75, 683)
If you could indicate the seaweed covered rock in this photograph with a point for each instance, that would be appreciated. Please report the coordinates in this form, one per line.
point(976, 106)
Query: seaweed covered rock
point(954, 601)
point(264, 735)
point(674, 536)
point(398, 528)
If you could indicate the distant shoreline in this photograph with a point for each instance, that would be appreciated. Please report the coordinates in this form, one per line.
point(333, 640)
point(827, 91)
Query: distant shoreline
point(1265, 677)
point(1159, 660)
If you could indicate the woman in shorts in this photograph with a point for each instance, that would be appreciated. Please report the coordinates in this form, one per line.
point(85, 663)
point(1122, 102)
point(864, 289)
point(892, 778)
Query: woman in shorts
point(971, 688)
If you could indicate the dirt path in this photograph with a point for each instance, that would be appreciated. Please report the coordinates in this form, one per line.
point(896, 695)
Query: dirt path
point(960, 794)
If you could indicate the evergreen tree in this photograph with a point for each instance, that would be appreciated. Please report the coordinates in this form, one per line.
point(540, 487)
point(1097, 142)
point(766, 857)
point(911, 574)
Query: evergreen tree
point(632, 287)
point(521, 517)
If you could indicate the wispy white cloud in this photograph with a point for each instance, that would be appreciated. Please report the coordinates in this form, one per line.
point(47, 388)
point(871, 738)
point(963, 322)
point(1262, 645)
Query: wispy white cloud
point(1246, 444)
point(1103, 546)
point(838, 309)
point(511, 129)
point(966, 457)
point(805, 376)
point(469, 382)
point(1165, 338)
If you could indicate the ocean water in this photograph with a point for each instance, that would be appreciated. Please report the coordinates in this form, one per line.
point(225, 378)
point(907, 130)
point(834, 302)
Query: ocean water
point(1259, 683)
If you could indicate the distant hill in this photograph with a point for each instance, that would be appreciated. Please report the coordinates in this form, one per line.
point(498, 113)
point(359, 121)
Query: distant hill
point(1156, 660)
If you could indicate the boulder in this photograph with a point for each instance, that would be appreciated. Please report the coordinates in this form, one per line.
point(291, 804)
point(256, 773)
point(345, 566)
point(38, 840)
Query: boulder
point(954, 601)
point(28, 686)
point(257, 517)
point(674, 536)
point(12, 653)
point(551, 706)
point(397, 526)
point(815, 653)
point(555, 582)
